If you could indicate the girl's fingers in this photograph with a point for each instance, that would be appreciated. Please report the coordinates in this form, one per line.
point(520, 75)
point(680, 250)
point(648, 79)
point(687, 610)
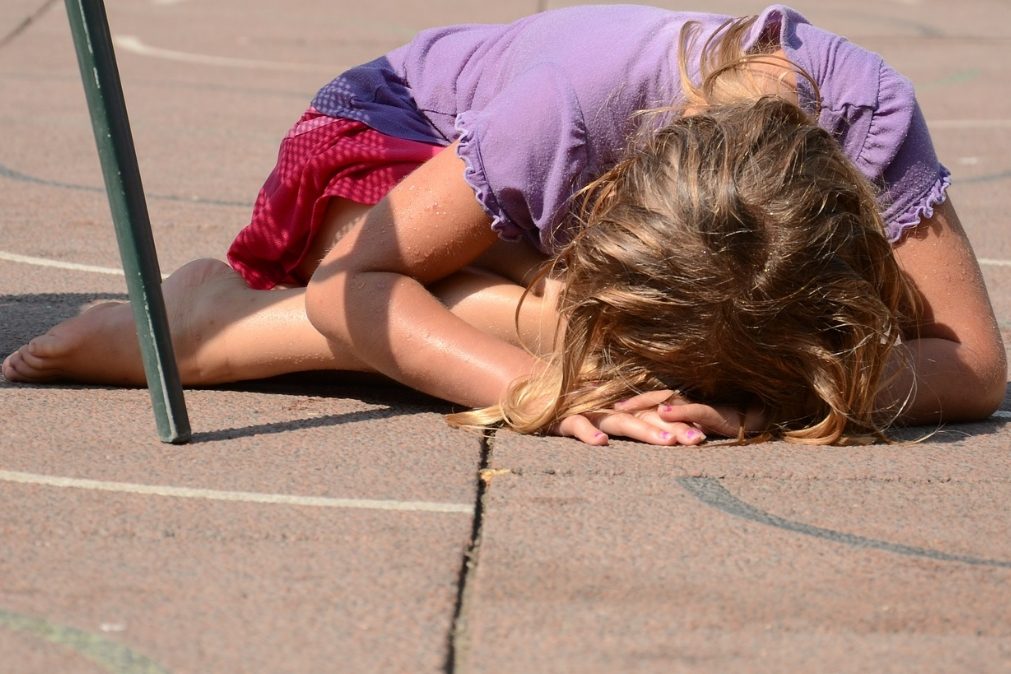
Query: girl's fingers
point(645, 426)
point(725, 421)
point(649, 427)
point(644, 401)
point(662, 418)
point(582, 429)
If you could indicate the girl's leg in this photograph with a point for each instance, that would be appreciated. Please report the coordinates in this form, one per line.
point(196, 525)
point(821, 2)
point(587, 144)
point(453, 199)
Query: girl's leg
point(224, 331)
point(221, 331)
point(489, 302)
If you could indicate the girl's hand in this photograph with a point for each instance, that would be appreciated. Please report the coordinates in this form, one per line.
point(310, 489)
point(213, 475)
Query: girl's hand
point(638, 421)
point(672, 407)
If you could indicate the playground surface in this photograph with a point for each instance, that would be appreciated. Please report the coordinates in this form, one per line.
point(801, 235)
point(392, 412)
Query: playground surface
point(337, 524)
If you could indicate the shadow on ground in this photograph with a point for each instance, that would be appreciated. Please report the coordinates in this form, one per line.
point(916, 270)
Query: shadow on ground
point(25, 316)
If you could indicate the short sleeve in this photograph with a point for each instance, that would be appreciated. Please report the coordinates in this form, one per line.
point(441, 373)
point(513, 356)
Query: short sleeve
point(525, 153)
point(872, 110)
point(914, 181)
point(898, 155)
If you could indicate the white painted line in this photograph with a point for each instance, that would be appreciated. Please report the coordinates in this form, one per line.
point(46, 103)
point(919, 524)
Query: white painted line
point(59, 264)
point(1002, 414)
point(990, 262)
point(970, 124)
point(238, 496)
point(133, 44)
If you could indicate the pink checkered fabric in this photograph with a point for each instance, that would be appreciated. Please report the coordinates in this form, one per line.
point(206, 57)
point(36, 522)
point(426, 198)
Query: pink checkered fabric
point(322, 157)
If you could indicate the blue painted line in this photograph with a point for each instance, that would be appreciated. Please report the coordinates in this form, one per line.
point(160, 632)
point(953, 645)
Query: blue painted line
point(26, 22)
point(957, 77)
point(988, 178)
point(111, 656)
point(713, 494)
point(11, 174)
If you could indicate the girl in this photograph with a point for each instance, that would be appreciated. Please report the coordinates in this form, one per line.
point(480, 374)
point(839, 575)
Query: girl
point(746, 226)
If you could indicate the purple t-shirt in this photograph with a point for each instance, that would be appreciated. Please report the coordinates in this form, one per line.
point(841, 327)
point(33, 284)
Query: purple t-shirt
point(543, 105)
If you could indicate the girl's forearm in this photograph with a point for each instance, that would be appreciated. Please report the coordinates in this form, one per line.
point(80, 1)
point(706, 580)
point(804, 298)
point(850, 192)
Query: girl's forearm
point(395, 325)
point(938, 380)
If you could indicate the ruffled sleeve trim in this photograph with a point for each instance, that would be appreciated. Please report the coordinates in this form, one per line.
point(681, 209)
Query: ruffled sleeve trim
point(469, 150)
point(922, 209)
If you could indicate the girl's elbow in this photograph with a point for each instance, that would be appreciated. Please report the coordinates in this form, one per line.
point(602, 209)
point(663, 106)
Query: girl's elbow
point(985, 393)
point(995, 383)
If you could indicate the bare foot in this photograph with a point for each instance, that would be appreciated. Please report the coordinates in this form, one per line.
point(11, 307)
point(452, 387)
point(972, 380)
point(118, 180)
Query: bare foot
point(100, 345)
point(222, 331)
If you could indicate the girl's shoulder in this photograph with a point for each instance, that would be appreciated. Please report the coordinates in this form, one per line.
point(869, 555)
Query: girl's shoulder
point(872, 111)
point(543, 104)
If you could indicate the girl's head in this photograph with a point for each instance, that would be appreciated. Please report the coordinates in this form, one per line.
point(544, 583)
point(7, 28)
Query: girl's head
point(735, 254)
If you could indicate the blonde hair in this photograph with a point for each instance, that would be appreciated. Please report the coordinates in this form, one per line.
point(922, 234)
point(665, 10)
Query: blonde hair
point(734, 254)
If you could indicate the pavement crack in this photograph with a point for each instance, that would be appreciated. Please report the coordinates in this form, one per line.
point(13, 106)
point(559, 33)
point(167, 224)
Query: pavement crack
point(25, 23)
point(459, 636)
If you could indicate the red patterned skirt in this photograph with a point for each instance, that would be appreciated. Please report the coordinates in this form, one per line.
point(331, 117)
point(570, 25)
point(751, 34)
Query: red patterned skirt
point(321, 158)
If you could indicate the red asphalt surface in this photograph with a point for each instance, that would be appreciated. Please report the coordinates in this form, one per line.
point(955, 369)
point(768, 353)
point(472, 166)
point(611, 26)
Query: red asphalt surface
point(339, 525)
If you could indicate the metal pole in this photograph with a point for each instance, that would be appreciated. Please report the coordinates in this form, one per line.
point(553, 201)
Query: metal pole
point(97, 60)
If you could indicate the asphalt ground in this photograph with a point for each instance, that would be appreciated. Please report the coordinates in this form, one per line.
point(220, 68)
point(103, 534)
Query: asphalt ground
point(335, 524)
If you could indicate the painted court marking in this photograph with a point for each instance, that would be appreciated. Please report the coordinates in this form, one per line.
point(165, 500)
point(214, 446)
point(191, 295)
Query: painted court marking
point(709, 491)
point(109, 655)
point(7, 172)
point(133, 44)
point(59, 264)
point(235, 496)
point(970, 124)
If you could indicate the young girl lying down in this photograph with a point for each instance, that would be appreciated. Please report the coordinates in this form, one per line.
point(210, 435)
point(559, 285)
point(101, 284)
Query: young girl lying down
point(733, 227)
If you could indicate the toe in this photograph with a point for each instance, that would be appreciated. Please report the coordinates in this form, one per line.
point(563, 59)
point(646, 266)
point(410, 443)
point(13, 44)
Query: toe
point(45, 351)
point(30, 363)
point(34, 359)
point(7, 369)
point(13, 366)
point(41, 347)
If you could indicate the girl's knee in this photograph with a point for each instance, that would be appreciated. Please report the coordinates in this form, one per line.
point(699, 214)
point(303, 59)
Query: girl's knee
point(196, 272)
point(197, 299)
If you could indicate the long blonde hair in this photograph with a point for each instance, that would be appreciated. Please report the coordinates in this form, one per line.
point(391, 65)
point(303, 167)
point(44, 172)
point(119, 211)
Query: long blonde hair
point(734, 254)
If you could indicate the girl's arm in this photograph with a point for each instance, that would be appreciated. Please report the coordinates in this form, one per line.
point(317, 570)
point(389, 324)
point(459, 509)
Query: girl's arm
point(957, 366)
point(369, 297)
point(368, 294)
point(953, 367)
